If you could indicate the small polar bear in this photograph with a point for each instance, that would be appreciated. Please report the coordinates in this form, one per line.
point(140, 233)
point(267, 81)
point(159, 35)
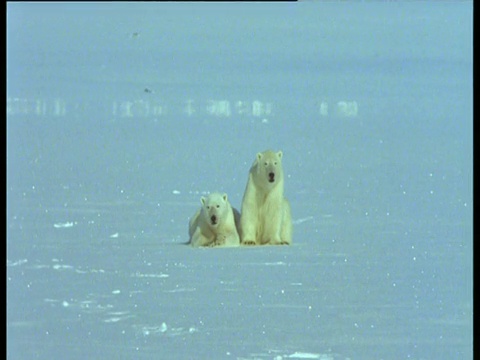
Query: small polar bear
point(215, 223)
point(266, 215)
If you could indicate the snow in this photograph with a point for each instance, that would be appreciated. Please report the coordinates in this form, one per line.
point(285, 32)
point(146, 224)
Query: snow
point(300, 355)
point(63, 225)
point(121, 116)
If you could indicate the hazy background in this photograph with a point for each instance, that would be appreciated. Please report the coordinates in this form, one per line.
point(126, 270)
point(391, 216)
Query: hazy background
point(120, 116)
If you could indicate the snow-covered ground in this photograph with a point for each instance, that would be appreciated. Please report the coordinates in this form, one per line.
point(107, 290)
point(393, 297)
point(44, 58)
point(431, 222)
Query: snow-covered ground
point(121, 116)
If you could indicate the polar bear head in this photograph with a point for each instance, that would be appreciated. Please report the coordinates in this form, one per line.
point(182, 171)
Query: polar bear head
point(269, 168)
point(215, 208)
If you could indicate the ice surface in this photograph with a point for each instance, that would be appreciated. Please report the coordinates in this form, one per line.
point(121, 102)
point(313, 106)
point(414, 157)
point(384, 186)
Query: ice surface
point(63, 225)
point(120, 116)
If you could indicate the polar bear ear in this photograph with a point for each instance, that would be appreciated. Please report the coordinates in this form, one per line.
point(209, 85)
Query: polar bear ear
point(225, 197)
point(259, 156)
point(202, 200)
point(280, 154)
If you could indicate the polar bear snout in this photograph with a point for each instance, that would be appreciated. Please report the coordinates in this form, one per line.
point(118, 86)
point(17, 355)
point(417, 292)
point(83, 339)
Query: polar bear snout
point(213, 219)
point(271, 177)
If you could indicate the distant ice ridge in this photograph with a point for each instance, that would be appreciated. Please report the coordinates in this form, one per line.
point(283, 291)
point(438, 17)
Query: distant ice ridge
point(64, 225)
point(148, 106)
point(16, 263)
point(295, 355)
point(141, 108)
point(304, 355)
point(341, 108)
point(162, 329)
point(39, 107)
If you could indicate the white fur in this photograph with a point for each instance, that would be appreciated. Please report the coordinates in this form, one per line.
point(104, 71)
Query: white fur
point(266, 214)
point(221, 232)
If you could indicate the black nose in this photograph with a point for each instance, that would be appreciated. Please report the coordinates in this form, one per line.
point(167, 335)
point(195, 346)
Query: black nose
point(271, 177)
point(213, 219)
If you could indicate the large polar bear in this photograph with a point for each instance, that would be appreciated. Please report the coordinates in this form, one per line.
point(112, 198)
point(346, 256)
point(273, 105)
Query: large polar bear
point(215, 223)
point(266, 217)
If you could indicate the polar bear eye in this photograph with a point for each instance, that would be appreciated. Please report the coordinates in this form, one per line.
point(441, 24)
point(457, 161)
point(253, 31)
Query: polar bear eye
point(266, 163)
point(218, 206)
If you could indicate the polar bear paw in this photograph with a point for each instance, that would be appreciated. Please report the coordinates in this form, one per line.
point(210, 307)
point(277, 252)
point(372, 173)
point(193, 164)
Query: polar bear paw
point(278, 242)
point(219, 241)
